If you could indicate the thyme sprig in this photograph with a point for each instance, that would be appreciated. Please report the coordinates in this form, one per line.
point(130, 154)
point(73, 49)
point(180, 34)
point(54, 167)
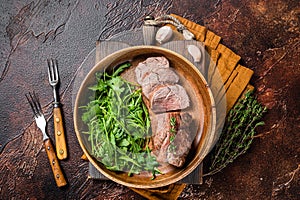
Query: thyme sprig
point(238, 132)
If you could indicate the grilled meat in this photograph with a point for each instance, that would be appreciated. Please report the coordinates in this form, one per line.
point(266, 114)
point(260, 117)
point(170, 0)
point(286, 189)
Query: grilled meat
point(166, 99)
point(171, 135)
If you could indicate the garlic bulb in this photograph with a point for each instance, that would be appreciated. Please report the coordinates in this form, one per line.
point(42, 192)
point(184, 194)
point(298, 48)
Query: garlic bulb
point(164, 34)
point(195, 52)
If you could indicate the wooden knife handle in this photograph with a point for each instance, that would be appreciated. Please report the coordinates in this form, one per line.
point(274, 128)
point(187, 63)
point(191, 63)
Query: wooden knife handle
point(57, 172)
point(60, 139)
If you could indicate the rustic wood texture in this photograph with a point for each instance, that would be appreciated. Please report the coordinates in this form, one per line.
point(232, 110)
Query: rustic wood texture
point(56, 169)
point(264, 33)
point(59, 132)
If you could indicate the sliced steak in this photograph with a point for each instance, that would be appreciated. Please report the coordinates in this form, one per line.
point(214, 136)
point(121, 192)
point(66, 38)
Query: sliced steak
point(179, 148)
point(171, 138)
point(161, 153)
point(165, 128)
point(165, 98)
point(158, 77)
point(160, 125)
point(151, 64)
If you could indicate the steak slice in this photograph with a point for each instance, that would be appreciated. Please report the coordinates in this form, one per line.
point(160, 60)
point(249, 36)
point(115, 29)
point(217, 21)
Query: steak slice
point(160, 125)
point(149, 65)
point(171, 139)
point(158, 77)
point(165, 127)
point(168, 98)
point(179, 148)
point(161, 153)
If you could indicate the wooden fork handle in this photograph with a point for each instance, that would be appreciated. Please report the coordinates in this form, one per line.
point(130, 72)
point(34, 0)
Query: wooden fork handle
point(57, 172)
point(60, 139)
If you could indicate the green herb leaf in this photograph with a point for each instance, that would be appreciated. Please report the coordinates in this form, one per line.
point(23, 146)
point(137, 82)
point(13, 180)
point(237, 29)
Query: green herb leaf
point(238, 131)
point(119, 124)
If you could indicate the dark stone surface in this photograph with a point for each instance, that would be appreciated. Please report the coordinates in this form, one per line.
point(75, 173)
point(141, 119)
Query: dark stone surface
point(264, 33)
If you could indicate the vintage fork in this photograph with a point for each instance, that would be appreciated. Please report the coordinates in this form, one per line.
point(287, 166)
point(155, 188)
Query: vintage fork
point(41, 123)
point(60, 140)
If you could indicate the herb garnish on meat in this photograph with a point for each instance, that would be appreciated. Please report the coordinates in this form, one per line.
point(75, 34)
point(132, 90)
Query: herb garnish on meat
point(172, 129)
point(119, 124)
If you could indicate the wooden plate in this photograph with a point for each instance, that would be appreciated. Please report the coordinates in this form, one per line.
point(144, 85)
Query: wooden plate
point(202, 110)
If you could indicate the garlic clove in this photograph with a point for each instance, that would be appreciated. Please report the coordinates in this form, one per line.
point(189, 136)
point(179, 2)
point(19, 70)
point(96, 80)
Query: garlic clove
point(188, 35)
point(164, 34)
point(195, 52)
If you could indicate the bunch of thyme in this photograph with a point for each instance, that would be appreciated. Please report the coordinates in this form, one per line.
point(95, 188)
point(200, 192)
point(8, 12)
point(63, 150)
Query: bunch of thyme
point(238, 132)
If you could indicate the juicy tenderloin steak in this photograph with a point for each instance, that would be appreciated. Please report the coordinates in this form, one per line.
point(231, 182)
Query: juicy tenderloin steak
point(160, 76)
point(171, 136)
point(151, 64)
point(179, 148)
point(154, 71)
point(171, 139)
point(168, 98)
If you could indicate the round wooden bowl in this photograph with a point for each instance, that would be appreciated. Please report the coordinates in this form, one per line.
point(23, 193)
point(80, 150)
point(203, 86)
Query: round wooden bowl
point(202, 110)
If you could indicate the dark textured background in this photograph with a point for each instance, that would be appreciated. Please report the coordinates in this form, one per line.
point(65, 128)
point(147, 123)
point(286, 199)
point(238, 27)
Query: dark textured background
point(264, 33)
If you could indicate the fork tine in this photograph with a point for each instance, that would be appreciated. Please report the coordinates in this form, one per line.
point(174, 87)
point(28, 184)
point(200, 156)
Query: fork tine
point(34, 104)
point(49, 70)
point(31, 104)
point(55, 69)
point(37, 103)
point(52, 70)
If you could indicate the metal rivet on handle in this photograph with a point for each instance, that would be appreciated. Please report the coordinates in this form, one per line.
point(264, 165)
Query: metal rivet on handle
point(58, 133)
point(61, 151)
point(57, 119)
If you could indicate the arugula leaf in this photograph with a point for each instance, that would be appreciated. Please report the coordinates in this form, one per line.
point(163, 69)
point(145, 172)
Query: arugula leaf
point(119, 124)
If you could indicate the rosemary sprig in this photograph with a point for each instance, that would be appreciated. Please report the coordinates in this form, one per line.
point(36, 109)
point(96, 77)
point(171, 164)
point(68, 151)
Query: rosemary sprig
point(238, 132)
